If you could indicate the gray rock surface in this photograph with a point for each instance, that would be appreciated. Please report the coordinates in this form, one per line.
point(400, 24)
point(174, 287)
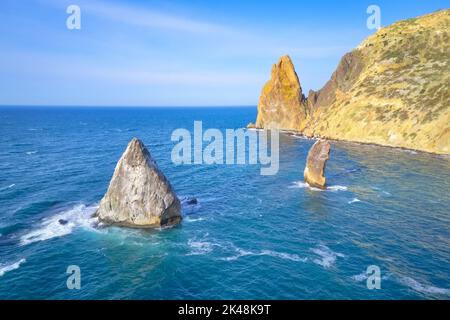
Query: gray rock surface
point(139, 195)
point(317, 159)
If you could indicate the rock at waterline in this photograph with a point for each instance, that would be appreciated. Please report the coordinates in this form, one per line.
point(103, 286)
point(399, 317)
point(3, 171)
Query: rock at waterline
point(139, 195)
point(191, 201)
point(317, 159)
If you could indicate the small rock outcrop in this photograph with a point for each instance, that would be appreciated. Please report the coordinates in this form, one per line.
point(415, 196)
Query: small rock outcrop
point(139, 195)
point(282, 104)
point(317, 159)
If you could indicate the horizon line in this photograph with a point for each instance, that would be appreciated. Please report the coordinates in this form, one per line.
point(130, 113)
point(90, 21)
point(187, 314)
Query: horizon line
point(125, 106)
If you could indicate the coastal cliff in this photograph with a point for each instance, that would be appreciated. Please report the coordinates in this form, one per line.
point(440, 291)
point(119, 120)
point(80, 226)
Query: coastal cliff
point(392, 90)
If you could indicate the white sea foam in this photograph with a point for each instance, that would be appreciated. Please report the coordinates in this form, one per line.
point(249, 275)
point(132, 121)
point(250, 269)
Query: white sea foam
point(415, 285)
point(276, 254)
point(337, 188)
point(354, 200)
point(301, 137)
point(10, 267)
point(199, 247)
point(78, 216)
point(360, 277)
point(8, 187)
point(240, 253)
point(302, 185)
point(363, 276)
point(190, 219)
point(31, 152)
point(327, 256)
point(282, 255)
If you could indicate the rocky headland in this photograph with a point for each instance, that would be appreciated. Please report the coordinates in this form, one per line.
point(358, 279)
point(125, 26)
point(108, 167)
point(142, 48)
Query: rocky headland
point(392, 90)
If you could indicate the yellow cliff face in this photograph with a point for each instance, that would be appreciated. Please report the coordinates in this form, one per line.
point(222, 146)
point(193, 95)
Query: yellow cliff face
point(393, 89)
point(281, 104)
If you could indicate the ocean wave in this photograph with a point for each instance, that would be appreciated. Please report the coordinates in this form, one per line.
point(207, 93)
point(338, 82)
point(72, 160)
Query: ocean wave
point(415, 285)
point(282, 255)
point(8, 187)
point(10, 267)
point(302, 185)
point(78, 216)
point(31, 152)
point(337, 188)
point(300, 137)
point(354, 200)
point(363, 276)
point(327, 256)
point(190, 219)
point(200, 247)
point(275, 254)
point(360, 277)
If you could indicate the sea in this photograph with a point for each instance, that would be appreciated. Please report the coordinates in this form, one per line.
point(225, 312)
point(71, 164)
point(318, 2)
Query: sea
point(380, 230)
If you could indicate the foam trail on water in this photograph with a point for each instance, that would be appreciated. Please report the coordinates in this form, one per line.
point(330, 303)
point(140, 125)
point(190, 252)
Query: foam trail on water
point(354, 200)
point(8, 187)
point(78, 216)
point(327, 256)
point(337, 188)
point(302, 185)
point(363, 276)
point(275, 254)
point(415, 285)
point(200, 247)
point(10, 267)
point(189, 219)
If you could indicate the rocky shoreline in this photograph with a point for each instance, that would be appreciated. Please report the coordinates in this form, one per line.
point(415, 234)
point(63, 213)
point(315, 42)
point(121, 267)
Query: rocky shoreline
point(392, 90)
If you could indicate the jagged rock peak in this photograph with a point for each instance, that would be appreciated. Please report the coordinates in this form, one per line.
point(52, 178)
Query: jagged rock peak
point(139, 195)
point(282, 104)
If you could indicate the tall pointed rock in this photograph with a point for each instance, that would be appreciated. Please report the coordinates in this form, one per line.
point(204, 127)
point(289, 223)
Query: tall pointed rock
point(282, 104)
point(317, 159)
point(139, 195)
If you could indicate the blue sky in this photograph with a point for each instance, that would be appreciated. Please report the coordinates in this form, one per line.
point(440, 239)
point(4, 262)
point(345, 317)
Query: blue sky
point(175, 53)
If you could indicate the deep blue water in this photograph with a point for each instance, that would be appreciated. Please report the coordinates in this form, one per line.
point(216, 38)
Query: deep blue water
point(251, 236)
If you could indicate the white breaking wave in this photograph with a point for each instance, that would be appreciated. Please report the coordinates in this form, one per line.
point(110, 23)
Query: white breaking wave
point(415, 285)
point(8, 187)
point(281, 255)
point(302, 185)
point(199, 247)
point(31, 152)
point(62, 224)
point(328, 257)
point(363, 276)
point(189, 219)
point(337, 188)
point(360, 277)
point(354, 200)
point(10, 267)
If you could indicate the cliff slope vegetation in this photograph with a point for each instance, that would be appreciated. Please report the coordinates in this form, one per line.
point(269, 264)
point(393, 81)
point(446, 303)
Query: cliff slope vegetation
point(393, 90)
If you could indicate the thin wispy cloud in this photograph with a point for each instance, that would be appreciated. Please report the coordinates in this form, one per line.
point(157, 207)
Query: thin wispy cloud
point(205, 51)
point(139, 16)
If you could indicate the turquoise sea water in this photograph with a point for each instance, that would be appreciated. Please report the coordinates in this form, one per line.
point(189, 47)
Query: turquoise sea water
point(250, 236)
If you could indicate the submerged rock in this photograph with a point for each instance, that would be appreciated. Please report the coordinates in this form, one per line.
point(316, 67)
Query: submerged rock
point(191, 201)
point(317, 159)
point(139, 195)
point(63, 222)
